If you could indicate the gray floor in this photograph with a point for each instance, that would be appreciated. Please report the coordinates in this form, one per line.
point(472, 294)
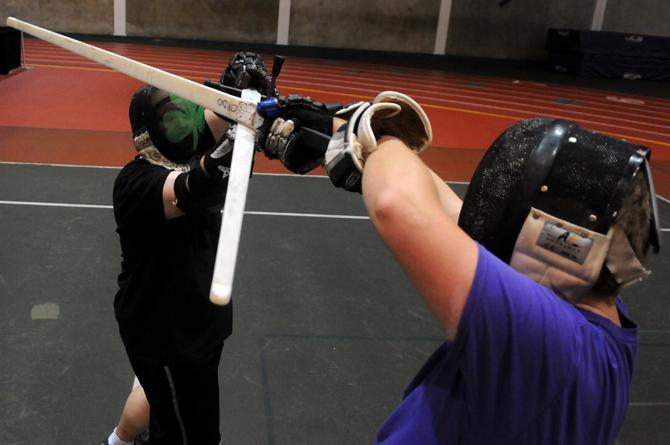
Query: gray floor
point(328, 331)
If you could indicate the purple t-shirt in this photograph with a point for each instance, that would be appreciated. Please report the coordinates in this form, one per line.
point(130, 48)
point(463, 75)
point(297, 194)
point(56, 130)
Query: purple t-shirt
point(526, 367)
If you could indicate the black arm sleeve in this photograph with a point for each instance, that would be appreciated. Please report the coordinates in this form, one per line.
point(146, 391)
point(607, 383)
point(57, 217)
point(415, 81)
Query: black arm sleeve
point(204, 196)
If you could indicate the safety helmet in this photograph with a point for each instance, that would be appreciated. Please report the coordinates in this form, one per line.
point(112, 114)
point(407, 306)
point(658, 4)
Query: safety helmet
point(546, 198)
point(174, 126)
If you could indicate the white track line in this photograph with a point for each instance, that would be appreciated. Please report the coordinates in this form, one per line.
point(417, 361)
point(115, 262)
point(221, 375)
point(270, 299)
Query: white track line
point(55, 204)
point(439, 84)
point(289, 175)
point(302, 63)
point(45, 164)
point(448, 93)
point(248, 212)
point(306, 215)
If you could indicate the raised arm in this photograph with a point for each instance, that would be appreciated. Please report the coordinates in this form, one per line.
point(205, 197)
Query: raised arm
point(218, 127)
point(451, 202)
point(415, 214)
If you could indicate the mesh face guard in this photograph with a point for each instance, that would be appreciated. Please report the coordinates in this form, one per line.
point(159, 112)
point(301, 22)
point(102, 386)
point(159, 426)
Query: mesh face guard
point(573, 175)
point(174, 126)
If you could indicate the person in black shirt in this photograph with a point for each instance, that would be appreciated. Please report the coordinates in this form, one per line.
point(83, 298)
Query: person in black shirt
point(167, 204)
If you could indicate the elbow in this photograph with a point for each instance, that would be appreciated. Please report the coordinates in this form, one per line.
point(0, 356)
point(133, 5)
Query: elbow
point(390, 208)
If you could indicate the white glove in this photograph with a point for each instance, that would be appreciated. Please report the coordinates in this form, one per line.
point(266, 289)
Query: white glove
point(389, 114)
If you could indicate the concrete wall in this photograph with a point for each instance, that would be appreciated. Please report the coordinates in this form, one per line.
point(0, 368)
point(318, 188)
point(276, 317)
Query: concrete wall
point(518, 30)
point(478, 28)
point(78, 16)
point(407, 26)
point(638, 16)
point(225, 20)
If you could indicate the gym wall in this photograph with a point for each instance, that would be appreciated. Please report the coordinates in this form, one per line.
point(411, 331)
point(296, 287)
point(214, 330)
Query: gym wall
point(406, 26)
point(252, 21)
point(517, 30)
point(501, 29)
point(76, 16)
point(638, 16)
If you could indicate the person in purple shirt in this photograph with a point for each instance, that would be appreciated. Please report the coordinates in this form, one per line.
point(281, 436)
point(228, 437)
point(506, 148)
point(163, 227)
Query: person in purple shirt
point(523, 274)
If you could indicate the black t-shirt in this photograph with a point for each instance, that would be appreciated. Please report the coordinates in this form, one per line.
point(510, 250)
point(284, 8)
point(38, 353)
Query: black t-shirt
point(162, 305)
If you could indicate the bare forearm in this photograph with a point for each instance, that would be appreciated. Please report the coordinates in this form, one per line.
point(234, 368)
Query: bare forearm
point(451, 202)
point(394, 179)
point(407, 209)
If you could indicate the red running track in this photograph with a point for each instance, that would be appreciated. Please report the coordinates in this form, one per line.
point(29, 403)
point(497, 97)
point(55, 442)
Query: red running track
point(65, 109)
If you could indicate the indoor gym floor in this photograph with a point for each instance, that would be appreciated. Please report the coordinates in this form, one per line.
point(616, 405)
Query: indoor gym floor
point(328, 331)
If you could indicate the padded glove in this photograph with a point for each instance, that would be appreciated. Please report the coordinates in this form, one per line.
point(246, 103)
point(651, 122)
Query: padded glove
point(247, 70)
point(389, 114)
point(300, 135)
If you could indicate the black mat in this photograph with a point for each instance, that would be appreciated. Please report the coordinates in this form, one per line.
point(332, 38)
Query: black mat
point(328, 330)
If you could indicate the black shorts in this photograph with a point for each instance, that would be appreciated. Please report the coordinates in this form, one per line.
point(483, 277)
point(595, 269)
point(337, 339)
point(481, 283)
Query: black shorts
point(184, 399)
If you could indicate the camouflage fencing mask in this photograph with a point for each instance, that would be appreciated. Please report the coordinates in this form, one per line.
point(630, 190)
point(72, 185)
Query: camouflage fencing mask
point(174, 126)
point(546, 199)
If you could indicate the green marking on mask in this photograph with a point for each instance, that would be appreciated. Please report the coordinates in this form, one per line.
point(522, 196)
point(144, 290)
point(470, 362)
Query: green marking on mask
point(188, 120)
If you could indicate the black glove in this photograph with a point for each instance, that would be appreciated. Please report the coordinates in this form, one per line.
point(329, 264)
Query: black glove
point(247, 70)
point(215, 164)
point(208, 179)
point(308, 113)
point(289, 137)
